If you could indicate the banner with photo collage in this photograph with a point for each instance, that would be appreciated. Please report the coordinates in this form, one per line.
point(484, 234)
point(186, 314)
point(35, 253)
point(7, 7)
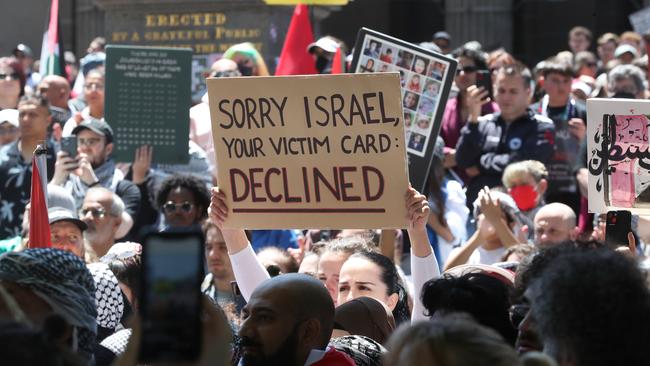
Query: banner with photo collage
point(426, 79)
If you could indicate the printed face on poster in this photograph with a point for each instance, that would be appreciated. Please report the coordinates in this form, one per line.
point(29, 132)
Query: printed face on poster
point(617, 155)
point(323, 151)
point(425, 79)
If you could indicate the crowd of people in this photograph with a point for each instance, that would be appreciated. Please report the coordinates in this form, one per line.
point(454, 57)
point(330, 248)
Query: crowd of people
point(501, 263)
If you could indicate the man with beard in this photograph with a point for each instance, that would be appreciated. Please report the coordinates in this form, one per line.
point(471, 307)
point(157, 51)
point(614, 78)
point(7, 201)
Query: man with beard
point(288, 321)
point(93, 166)
point(102, 212)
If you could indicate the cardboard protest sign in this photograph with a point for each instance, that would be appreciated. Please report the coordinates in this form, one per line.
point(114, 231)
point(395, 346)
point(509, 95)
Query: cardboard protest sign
point(617, 155)
point(323, 151)
point(425, 78)
point(147, 101)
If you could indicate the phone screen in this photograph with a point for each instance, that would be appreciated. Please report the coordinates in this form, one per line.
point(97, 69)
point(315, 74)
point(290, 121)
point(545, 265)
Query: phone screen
point(171, 299)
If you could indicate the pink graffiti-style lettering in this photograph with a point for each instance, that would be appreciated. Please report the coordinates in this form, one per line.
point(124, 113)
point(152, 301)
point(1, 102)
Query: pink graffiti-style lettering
point(630, 130)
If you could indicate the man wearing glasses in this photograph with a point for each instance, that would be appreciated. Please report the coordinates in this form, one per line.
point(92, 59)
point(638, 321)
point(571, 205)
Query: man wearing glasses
point(102, 212)
point(93, 166)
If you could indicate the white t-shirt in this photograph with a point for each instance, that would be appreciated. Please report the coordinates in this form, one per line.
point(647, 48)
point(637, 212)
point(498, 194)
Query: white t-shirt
point(484, 256)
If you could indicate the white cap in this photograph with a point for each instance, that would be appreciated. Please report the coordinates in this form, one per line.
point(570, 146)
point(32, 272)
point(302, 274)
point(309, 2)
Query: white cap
point(625, 48)
point(325, 43)
point(9, 115)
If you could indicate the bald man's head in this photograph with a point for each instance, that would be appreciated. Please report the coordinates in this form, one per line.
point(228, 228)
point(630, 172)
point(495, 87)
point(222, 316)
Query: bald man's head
point(224, 68)
point(555, 223)
point(56, 90)
point(286, 317)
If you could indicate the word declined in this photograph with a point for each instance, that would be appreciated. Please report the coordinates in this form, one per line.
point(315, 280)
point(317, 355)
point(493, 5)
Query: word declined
point(311, 184)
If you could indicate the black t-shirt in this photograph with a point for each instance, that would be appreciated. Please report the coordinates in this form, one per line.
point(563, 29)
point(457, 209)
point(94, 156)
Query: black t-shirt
point(130, 195)
point(16, 185)
point(567, 147)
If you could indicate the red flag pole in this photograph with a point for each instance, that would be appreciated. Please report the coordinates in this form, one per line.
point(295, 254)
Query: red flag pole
point(39, 225)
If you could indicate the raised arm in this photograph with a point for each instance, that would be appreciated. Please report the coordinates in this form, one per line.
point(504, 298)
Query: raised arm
point(424, 266)
point(249, 271)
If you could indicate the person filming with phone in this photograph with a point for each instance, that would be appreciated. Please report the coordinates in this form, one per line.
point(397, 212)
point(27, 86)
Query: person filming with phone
point(84, 162)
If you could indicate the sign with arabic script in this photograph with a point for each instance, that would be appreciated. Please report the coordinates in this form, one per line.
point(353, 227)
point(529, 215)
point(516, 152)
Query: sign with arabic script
point(618, 159)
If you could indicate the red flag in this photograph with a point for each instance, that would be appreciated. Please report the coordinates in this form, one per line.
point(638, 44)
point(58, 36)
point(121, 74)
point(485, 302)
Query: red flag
point(39, 225)
point(295, 59)
point(338, 62)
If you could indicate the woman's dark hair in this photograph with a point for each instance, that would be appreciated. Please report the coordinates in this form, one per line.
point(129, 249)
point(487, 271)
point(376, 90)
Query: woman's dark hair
point(193, 184)
point(13, 63)
point(127, 271)
point(436, 177)
point(474, 55)
point(391, 279)
point(482, 296)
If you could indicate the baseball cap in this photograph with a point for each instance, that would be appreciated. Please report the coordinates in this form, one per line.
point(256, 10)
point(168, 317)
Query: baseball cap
point(625, 48)
point(442, 35)
point(9, 115)
point(325, 43)
point(24, 49)
point(98, 126)
point(61, 206)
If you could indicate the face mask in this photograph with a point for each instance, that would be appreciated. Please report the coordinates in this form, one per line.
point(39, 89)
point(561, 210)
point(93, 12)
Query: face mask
point(245, 70)
point(624, 95)
point(525, 196)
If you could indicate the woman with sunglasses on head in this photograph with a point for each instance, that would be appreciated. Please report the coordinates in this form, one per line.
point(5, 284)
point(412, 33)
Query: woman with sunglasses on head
point(183, 201)
point(12, 82)
point(93, 94)
point(457, 110)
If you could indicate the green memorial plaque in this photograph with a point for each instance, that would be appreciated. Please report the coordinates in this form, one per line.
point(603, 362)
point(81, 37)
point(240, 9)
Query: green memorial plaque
point(148, 101)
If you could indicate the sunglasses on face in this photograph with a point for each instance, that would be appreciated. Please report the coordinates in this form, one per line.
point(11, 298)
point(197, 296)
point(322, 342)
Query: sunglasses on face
point(466, 69)
point(170, 206)
point(13, 76)
point(96, 213)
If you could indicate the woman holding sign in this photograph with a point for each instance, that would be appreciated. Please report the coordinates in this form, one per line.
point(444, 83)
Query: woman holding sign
point(354, 276)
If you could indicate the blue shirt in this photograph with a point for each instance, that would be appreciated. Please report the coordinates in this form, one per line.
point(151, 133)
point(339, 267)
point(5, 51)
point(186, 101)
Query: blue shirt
point(282, 239)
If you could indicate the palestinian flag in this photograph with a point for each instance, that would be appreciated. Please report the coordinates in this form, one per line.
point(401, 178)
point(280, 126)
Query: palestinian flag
point(52, 48)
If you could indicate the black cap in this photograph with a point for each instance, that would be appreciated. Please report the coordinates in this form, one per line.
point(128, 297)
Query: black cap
point(24, 49)
point(98, 126)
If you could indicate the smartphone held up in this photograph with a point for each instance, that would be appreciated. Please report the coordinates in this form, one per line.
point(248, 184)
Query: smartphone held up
point(172, 272)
